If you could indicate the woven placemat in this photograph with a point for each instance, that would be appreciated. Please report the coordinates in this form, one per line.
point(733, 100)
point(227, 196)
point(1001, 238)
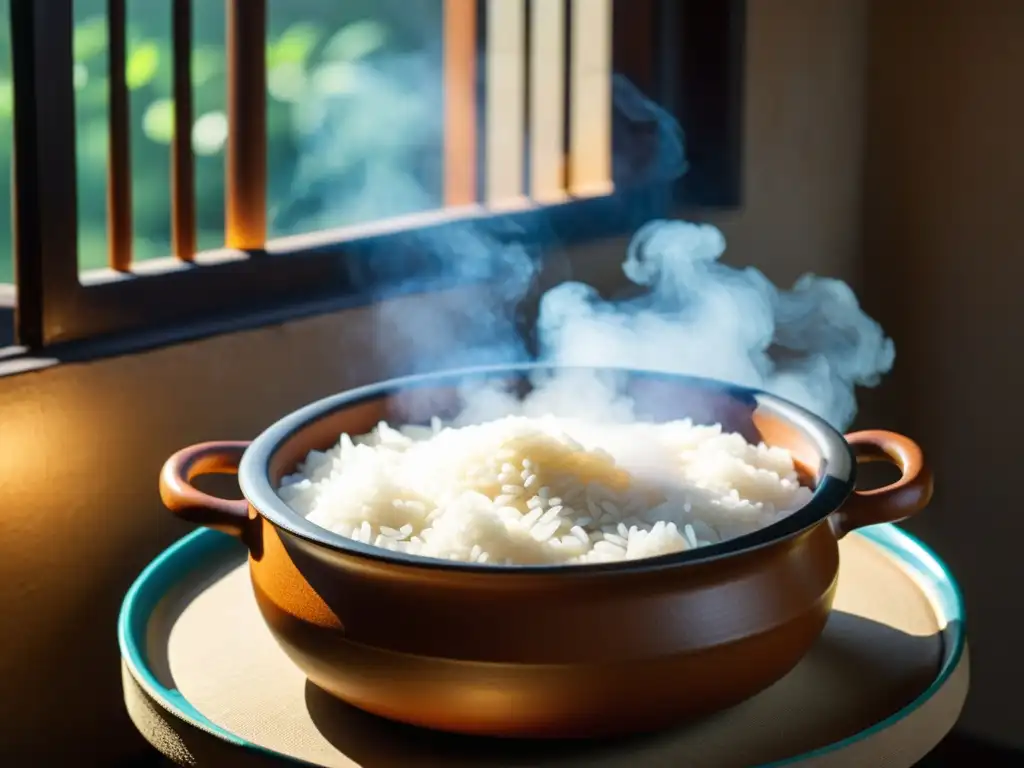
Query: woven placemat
point(881, 651)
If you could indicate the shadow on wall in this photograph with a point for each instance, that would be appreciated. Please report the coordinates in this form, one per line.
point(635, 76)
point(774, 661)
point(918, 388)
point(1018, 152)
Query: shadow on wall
point(944, 262)
point(82, 448)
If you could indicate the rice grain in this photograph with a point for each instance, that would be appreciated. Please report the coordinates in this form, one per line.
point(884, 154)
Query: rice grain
point(523, 490)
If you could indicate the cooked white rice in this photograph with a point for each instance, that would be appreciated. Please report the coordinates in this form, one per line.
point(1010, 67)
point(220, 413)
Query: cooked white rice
point(545, 490)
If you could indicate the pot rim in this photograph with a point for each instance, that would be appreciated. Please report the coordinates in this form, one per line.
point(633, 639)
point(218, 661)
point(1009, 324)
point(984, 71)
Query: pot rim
point(837, 468)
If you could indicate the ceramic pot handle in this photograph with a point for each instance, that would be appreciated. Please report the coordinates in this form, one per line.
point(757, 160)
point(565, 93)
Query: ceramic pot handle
point(192, 505)
point(890, 503)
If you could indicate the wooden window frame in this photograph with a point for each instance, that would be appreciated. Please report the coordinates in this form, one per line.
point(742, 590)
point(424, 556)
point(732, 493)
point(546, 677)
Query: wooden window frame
point(693, 66)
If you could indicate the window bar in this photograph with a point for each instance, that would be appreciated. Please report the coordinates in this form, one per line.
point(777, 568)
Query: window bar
point(590, 116)
point(119, 168)
point(45, 205)
point(667, 53)
point(633, 56)
point(634, 48)
point(245, 223)
point(506, 102)
point(547, 100)
point(183, 192)
point(460, 111)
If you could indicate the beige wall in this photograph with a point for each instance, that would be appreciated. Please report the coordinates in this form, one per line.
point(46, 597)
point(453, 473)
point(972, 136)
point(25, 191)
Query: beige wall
point(945, 256)
point(80, 445)
point(803, 164)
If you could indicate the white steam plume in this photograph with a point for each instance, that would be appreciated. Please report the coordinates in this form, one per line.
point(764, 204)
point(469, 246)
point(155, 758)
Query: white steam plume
point(812, 344)
point(368, 153)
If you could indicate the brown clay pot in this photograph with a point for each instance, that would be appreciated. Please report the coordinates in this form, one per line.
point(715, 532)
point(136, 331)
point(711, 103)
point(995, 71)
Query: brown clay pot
point(542, 651)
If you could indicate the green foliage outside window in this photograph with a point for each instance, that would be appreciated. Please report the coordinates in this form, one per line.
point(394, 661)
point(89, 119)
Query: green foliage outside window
point(317, 51)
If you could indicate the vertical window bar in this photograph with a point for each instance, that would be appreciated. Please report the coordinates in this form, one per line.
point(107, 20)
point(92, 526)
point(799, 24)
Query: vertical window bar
point(183, 191)
point(506, 101)
point(246, 183)
point(460, 110)
point(633, 55)
point(668, 15)
point(480, 53)
point(547, 100)
point(45, 204)
point(634, 46)
point(590, 118)
point(119, 167)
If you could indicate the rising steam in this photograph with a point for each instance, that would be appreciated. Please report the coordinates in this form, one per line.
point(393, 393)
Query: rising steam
point(811, 344)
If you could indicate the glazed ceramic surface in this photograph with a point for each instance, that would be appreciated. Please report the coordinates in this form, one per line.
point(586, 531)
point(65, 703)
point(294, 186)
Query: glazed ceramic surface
point(547, 651)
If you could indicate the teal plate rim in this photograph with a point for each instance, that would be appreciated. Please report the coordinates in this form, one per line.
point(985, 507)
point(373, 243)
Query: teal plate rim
point(189, 554)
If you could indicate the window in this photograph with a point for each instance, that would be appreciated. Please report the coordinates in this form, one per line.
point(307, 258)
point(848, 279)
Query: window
point(180, 167)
